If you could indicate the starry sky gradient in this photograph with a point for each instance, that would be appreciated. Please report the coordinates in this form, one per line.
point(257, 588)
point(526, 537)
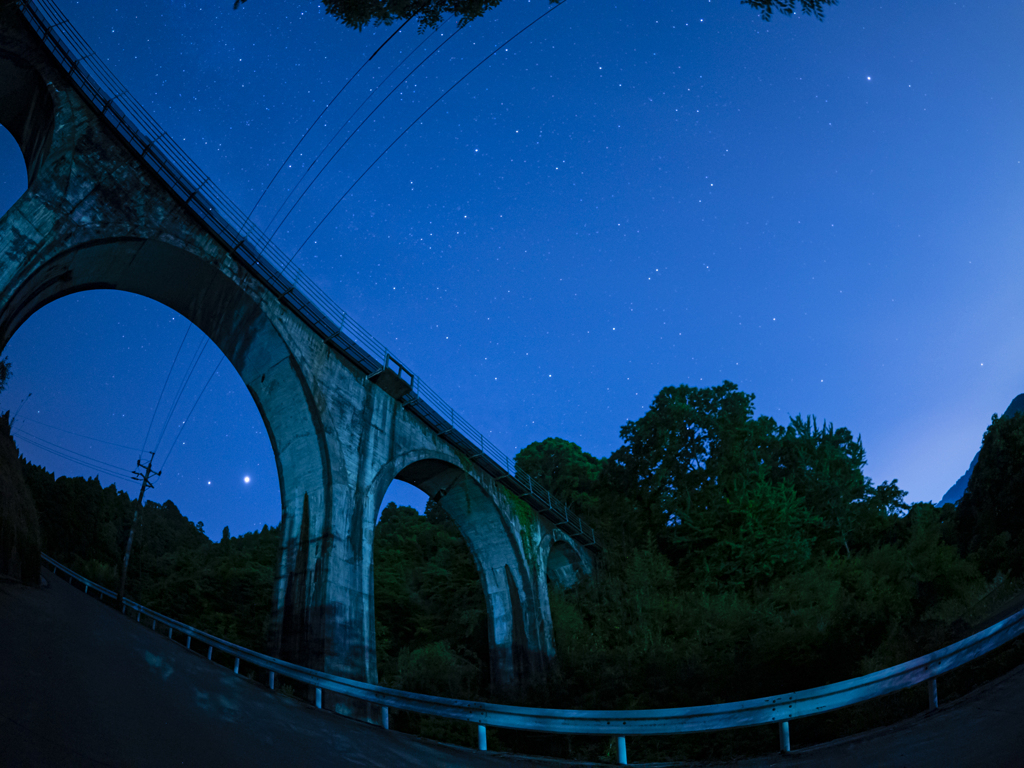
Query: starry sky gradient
point(630, 196)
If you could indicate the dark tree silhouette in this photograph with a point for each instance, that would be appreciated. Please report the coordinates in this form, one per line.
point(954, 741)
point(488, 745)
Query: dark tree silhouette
point(360, 13)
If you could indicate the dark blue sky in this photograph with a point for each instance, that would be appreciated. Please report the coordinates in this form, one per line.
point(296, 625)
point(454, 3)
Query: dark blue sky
point(632, 195)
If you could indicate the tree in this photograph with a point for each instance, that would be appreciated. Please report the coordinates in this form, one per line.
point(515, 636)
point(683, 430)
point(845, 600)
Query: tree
point(19, 520)
point(825, 465)
point(565, 469)
point(429, 601)
point(430, 13)
point(989, 520)
point(695, 472)
point(5, 373)
point(740, 499)
point(814, 8)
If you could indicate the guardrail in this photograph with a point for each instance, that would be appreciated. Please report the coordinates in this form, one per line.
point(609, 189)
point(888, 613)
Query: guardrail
point(248, 244)
point(780, 710)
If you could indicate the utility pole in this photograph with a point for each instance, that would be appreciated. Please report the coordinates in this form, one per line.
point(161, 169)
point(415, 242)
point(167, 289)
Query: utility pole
point(143, 475)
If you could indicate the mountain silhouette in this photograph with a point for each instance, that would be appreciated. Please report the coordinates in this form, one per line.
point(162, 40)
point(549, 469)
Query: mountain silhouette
point(954, 494)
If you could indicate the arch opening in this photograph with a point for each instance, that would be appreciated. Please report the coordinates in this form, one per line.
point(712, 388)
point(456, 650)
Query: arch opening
point(100, 379)
point(564, 566)
point(430, 604)
point(504, 548)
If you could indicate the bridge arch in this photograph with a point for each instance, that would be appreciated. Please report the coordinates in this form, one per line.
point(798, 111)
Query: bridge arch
point(562, 561)
point(495, 539)
point(235, 322)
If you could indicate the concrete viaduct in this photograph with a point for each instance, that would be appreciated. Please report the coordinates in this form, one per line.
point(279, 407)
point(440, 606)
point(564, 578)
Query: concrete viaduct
point(98, 214)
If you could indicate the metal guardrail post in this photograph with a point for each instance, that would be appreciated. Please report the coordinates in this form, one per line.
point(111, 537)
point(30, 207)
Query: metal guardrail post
point(209, 653)
point(236, 664)
point(384, 718)
point(170, 633)
point(933, 693)
point(154, 625)
point(319, 698)
point(620, 743)
point(784, 736)
point(188, 642)
point(271, 679)
point(481, 738)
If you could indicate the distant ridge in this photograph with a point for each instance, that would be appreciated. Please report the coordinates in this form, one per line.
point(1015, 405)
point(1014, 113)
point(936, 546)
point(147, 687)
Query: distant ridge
point(954, 494)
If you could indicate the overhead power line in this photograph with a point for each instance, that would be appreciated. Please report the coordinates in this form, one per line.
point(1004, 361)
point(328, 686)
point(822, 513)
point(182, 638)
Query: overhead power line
point(203, 392)
point(78, 434)
point(356, 130)
point(373, 90)
point(73, 456)
point(181, 390)
point(164, 387)
point(409, 127)
point(322, 113)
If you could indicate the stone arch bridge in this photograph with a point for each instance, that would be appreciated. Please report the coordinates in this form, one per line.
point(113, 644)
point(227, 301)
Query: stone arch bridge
point(109, 207)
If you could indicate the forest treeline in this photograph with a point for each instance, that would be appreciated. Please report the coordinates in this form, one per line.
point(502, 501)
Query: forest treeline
point(223, 588)
point(742, 558)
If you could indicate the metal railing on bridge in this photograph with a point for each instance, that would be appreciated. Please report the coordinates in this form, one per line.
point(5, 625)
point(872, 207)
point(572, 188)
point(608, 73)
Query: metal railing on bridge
point(778, 710)
point(253, 248)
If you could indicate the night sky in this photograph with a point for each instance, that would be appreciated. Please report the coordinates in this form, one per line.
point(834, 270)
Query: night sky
point(630, 196)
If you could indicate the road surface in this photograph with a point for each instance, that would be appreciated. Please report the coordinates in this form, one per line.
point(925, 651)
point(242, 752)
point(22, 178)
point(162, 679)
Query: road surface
point(82, 685)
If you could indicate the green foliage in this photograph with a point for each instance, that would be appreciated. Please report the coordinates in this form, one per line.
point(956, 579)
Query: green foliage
point(564, 469)
point(743, 559)
point(79, 520)
point(814, 8)
point(430, 13)
point(19, 519)
point(429, 604)
point(989, 518)
point(222, 588)
point(5, 364)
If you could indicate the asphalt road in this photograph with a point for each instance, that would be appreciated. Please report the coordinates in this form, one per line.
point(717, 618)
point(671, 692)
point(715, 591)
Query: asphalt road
point(81, 685)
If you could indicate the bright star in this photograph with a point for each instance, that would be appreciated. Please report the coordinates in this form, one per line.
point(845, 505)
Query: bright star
point(247, 478)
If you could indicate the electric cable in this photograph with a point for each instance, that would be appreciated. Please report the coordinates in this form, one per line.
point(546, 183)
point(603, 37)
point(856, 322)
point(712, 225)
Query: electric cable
point(409, 127)
point(203, 392)
point(164, 387)
point(373, 90)
point(325, 166)
point(181, 390)
point(78, 434)
point(73, 456)
point(322, 113)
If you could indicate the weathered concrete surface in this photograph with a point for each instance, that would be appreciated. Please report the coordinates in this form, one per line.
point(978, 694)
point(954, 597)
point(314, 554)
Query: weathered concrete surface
point(95, 217)
point(81, 685)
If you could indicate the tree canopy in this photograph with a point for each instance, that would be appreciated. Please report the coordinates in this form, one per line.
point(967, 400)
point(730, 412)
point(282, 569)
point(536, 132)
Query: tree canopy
point(989, 519)
point(430, 13)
